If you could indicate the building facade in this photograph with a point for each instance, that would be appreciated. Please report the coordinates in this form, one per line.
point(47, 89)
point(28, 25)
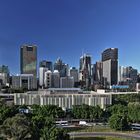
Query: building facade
point(24, 81)
point(61, 67)
point(128, 76)
point(48, 79)
point(46, 64)
point(85, 70)
point(42, 71)
point(4, 75)
point(110, 66)
point(66, 82)
point(66, 100)
point(56, 79)
point(28, 59)
point(74, 74)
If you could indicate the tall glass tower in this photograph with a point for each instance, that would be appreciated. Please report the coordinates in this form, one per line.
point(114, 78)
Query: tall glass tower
point(85, 69)
point(28, 59)
point(110, 66)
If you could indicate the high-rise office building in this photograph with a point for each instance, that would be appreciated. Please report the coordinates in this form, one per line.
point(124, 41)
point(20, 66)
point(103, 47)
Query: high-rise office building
point(128, 76)
point(66, 82)
point(48, 79)
point(110, 53)
point(74, 74)
point(56, 79)
point(4, 75)
point(46, 64)
point(85, 69)
point(42, 71)
point(98, 71)
point(4, 69)
point(61, 67)
point(122, 74)
point(110, 66)
point(28, 59)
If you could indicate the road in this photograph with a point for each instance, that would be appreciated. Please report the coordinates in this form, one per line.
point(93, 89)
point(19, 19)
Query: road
point(97, 134)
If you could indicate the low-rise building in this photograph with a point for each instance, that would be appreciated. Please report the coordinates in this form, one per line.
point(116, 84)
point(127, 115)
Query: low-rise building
point(25, 81)
point(64, 99)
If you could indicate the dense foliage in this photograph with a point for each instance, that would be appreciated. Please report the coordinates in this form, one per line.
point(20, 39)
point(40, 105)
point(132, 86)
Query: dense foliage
point(38, 124)
point(87, 112)
point(118, 122)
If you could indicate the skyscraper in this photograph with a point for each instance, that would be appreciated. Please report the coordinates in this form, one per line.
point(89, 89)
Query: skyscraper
point(46, 64)
point(85, 69)
point(42, 71)
point(4, 69)
point(128, 76)
point(28, 59)
point(61, 67)
point(4, 75)
point(74, 74)
point(56, 79)
point(48, 79)
point(110, 66)
point(98, 72)
point(66, 82)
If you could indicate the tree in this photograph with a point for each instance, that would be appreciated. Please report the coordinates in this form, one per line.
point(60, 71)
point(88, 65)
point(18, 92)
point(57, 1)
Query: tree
point(118, 122)
point(81, 111)
point(95, 112)
point(118, 109)
point(51, 132)
point(7, 111)
point(18, 128)
point(134, 112)
point(87, 112)
point(48, 110)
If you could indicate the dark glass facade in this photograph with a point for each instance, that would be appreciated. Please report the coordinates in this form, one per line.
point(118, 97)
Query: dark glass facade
point(110, 66)
point(28, 59)
point(111, 53)
point(46, 64)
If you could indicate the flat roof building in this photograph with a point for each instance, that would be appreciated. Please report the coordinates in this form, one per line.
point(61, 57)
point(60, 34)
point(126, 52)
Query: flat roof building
point(64, 100)
point(28, 59)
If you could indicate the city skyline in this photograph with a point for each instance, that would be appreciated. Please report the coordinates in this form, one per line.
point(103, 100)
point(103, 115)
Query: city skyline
point(67, 28)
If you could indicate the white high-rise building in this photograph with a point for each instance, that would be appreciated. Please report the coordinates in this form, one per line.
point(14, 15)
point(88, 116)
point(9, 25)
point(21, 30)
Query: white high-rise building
point(56, 79)
point(42, 71)
point(4, 78)
point(122, 74)
point(48, 79)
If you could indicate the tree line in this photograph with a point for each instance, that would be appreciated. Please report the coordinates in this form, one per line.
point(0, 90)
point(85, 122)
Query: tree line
point(40, 123)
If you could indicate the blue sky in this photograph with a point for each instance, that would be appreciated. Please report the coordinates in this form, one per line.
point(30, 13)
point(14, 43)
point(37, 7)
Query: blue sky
point(65, 28)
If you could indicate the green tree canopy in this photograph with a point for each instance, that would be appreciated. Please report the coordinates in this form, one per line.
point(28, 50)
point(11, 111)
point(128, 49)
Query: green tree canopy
point(118, 122)
point(134, 112)
point(18, 128)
